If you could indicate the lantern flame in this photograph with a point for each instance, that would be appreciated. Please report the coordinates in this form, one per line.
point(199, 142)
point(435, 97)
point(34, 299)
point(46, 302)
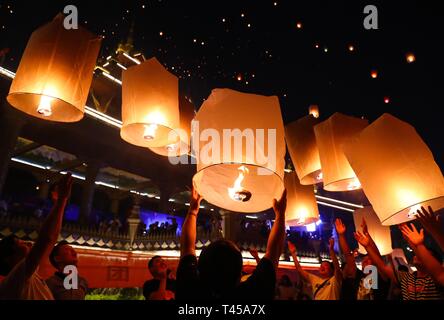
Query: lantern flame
point(150, 131)
point(44, 107)
point(320, 176)
point(237, 192)
point(171, 147)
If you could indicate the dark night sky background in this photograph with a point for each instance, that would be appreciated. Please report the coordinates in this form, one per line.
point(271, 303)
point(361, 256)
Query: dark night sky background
point(282, 58)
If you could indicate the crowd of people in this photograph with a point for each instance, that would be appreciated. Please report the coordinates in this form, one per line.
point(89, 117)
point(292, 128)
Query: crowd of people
point(218, 273)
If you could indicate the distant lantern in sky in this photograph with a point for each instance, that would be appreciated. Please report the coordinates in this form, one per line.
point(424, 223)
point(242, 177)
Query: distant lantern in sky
point(55, 73)
point(396, 169)
point(150, 105)
point(182, 134)
point(410, 57)
point(299, 25)
point(351, 48)
point(304, 152)
point(331, 135)
point(379, 233)
point(238, 142)
point(374, 74)
point(302, 208)
point(386, 100)
point(313, 110)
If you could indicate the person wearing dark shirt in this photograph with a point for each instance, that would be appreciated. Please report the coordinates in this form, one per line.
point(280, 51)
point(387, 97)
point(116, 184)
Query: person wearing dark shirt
point(162, 286)
point(353, 286)
point(217, 273)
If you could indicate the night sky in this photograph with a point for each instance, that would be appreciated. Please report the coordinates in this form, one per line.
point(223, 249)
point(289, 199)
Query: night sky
point(297, 50)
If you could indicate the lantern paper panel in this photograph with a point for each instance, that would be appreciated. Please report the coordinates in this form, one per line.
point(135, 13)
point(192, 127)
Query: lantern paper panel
point(396, 169)
point(302, 208)
point(182, 146)
point(238, 141)
point(380, 234)
point(331, 135)
point(304, 152)
point(55, 72)
point(150, 105)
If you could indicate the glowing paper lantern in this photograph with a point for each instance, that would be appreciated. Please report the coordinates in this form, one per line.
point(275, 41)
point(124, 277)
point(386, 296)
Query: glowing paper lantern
point(330, 137)
point(54, 75)
point(182, 136)
point(304, 153)
point(302, 208)
point(150, 105)
point(379, 233)
point(313, 110)
point(396, 169)
point(238, 140)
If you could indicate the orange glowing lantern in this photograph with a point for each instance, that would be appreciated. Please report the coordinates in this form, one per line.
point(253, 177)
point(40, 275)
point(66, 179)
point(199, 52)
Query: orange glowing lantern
point(379, 233)
point(238, 142)
point(396, 169)
point(304, 152)
point(55, 73)
point(182, 135)
point(150, 105)
point(302, 208)
point(314, 110)
point(331, 135)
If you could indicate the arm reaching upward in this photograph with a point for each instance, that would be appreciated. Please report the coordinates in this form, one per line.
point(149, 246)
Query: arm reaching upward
point(255, 255)
point(188, 236)
point(338, 271)
point(429, 220)
point(350, 267)
point(304, 274)
point(277, 234)
point(416, 241)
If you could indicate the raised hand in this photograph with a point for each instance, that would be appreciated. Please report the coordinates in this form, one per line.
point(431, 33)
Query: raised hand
point(196, 198)
point(340, 227)
point(62, 190)
point(280, 206)
point(429, 219)
point(254, 253)
point(292, 247)
point(362, 239)
point(412, 235)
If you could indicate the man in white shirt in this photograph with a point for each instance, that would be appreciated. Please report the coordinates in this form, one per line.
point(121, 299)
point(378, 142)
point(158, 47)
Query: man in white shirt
point(19, 260)
point(326, 286)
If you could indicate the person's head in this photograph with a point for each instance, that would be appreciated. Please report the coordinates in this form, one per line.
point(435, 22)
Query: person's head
point(366, 261)
point(157, 266)
point(12, 251)
point(220, 266)
point(63, 255)
point(326, 269)
point(285, 281)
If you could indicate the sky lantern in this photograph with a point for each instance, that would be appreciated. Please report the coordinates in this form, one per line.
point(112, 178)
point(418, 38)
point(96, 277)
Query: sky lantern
point(302, 208)
point(55, 72)
point(396, 169)
point(331, 135)
point(150, 105)
point(182, 135)
point(238, 143)
point(304, 152)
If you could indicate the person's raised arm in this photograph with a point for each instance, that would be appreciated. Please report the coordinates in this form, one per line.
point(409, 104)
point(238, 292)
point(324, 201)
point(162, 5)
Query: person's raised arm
point(385, 270)
point(416, 241)
point(350, 266)
point(50, 229)
point(277, 234)
point(429, 220)
point(372, 243)
point(338, 271)
point(188, 236)
point(292, 248)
